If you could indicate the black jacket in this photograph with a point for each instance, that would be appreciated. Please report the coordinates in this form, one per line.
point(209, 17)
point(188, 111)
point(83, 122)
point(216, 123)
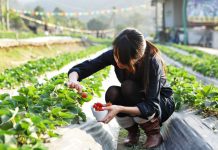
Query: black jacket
point(149, 104)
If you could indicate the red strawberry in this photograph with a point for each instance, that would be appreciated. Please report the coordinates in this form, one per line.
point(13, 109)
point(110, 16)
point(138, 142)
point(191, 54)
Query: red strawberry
point(98, 106)
point(100, 109)
point(84, 95)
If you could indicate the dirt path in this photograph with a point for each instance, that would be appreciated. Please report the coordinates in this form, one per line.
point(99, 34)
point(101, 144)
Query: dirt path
point(207, 50)
point(39, 41)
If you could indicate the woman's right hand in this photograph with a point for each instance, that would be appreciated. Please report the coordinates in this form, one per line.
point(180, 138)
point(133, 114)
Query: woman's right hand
point(75, 85)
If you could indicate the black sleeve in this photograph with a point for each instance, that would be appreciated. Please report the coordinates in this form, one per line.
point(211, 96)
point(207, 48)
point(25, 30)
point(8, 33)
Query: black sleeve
point(151, 103)
point(89, 67)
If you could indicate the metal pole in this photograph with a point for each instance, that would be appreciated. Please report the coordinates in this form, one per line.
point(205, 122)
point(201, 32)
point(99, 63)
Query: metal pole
point(114, 19)
point(184, 20)
point(1, 12)
point(7, 15)
point(163, 19)
point(156, 18)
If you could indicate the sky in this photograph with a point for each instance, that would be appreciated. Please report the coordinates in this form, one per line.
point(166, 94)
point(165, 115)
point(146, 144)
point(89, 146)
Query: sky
point(76, 5)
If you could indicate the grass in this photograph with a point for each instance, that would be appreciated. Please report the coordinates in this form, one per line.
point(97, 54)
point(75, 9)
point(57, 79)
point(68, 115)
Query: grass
point(19, 35)
point(12, 57)
point(24, 35)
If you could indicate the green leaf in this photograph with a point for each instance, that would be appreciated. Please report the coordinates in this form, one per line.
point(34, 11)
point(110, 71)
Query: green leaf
point(56, 110)
point(4, 111)
point(6, 125)
point(9, 132)
point(66, 115)
point(23, 90)
point(52, 134)
point(206, 90)
point(31, 91)
point(3, 96)
point(58, 81)
point(74, 110)
point(20, 99)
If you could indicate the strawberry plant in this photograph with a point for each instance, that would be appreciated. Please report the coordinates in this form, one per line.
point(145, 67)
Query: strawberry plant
point(29, 71)
point(194, 51)
point(206, 64)
point(30, 118)
point(187, 90)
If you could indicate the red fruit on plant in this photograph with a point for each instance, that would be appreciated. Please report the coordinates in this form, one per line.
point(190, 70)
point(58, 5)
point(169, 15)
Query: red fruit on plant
point(84, 95)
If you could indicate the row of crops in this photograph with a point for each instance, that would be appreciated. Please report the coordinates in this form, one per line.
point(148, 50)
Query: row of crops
point(188, 91)
point(30, 118)
point(32, 69)
point(201, 62)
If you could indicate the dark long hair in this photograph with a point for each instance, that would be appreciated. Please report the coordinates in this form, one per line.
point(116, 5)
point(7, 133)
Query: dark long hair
point(130, 45)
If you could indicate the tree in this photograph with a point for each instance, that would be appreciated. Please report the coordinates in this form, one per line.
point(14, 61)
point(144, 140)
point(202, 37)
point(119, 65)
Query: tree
point(57, 10)
point(40, 13)
point(58, 18)
point(95, 24)
point(16, 22)
point(120, 27)
point(136, 20)
point(75, 23)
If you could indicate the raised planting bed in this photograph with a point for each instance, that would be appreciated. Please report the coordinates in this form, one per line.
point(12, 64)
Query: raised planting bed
point(205, 66)
point(31, 117)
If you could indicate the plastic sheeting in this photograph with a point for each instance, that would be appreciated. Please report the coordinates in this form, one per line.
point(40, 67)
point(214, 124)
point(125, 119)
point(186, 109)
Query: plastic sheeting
point(187, 131)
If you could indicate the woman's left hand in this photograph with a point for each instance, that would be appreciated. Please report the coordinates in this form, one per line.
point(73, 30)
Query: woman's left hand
point(113, 111)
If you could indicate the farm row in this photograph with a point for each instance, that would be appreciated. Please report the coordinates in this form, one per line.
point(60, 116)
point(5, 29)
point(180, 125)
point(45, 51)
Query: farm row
point(32, 69)
point(30, 118)
point(201, 62)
